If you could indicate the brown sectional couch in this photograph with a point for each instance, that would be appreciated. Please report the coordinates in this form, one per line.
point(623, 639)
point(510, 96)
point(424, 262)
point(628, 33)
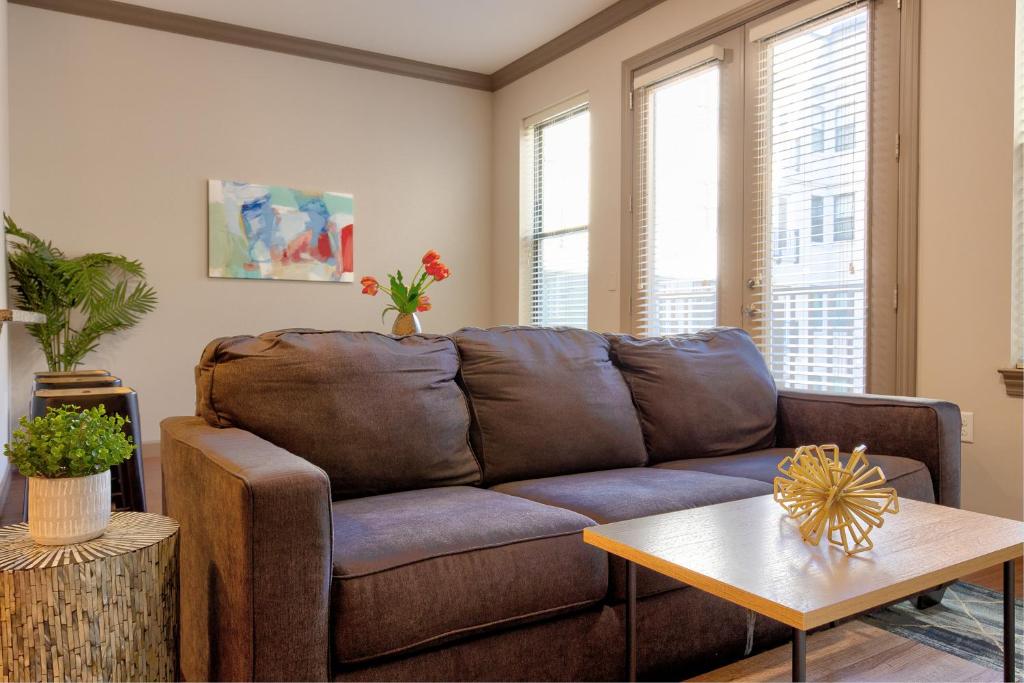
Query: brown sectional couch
point(363, 507)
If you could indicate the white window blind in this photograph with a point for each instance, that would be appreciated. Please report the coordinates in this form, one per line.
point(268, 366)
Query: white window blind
point(555, 245)
point(1017, 300)
point(810, 236)
point(676, 207)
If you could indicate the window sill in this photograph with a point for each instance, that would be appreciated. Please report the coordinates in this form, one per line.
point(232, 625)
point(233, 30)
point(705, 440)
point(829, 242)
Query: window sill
point(1013, 378)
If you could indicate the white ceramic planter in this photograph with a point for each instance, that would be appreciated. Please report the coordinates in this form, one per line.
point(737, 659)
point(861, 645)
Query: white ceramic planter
point(69, 510)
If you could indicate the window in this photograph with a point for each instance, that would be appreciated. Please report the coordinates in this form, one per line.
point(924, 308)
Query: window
point(821, 63)
point(557, 163)
point(818, 133)
point(814, 311)
point(842, 217)
point(845, 127)
point(817, 219)
point(759, 176)
point(787, 245)
point(782, 233)
point(677, 254)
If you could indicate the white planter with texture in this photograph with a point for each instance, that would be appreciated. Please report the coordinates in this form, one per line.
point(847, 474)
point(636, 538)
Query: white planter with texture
point(68, 509)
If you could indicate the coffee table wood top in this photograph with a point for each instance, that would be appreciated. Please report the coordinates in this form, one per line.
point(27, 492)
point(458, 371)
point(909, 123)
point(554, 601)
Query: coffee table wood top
point(751, 554)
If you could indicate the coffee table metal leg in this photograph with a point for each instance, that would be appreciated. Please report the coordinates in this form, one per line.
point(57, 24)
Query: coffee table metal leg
point(799, 655)
point(631, 620)
point(1009, 622)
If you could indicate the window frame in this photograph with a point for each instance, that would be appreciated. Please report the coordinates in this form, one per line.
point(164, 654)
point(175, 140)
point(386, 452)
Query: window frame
point(727, 45)
point(532, 233)
point(891, 355)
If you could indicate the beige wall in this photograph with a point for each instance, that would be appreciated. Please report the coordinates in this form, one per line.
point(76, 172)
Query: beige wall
point(965, 238)
point(116, 129)
point(965, 207)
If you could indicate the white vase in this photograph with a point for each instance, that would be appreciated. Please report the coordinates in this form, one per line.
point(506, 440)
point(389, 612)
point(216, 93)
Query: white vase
point(68, 510)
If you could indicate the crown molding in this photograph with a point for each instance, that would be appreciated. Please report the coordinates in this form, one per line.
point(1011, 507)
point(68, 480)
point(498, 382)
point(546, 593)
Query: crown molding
point(197, 27)
point(578, 36)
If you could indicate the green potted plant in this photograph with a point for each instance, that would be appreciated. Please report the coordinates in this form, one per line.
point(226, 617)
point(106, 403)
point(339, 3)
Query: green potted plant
point(66, 456)
point(83, 298)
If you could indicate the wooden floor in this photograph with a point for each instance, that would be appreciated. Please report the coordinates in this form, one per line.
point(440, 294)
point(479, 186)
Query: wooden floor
point(855, 651)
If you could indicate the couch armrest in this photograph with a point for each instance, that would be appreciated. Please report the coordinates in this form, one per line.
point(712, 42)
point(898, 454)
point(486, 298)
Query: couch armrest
point(918, 428)
point(255, 563)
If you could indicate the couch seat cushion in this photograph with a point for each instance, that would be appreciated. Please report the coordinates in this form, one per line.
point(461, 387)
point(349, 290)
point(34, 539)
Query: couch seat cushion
point(699, 395)
point(909, 477)
point(615, 495)
point(546, 401)
point(377, 413)
point(419, 567)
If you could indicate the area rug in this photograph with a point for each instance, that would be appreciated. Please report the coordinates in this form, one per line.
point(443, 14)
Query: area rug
point(968, 624)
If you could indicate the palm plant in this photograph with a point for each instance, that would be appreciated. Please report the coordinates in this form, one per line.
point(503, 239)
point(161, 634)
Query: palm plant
point(83, 298)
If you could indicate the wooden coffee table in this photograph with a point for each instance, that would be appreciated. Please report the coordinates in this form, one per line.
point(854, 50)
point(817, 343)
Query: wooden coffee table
point(750, 553)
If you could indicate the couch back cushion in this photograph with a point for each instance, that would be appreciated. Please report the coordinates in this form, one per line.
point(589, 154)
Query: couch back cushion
point(699, 395)
point(379, 414)
point(546, 401)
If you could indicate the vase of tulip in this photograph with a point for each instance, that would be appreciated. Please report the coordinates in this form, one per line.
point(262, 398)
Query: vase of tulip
point(409, 298)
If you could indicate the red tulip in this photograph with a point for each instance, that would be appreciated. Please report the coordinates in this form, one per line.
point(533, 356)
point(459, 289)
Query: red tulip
point(438, 271)
point(370, 285)
point(430, 257)
point(424, 303)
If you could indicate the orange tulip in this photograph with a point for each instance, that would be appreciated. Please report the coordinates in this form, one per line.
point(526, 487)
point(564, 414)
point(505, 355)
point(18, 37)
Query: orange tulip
point(370, 285)
point(424, 303)
point(430, 257)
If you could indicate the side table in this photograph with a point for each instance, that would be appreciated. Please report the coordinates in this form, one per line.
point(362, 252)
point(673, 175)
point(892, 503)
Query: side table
point(106, 609)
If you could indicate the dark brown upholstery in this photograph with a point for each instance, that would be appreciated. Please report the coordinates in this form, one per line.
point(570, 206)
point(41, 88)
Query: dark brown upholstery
point(546, 402)
point(377, 413)
point(255, 554)
point(909, 477)
point(581, 646)
point(416, 568)
point(615, 495)
point(917, 428)
point(699, 395)
point(679, 632)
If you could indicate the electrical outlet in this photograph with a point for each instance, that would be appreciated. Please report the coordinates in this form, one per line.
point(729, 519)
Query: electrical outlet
point(967, 427)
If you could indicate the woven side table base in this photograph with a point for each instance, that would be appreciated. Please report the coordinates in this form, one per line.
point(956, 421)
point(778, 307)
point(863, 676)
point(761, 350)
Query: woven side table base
point(106, 609)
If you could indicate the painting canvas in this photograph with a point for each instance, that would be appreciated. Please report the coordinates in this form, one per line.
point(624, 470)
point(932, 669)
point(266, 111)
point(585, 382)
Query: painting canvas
point(268, 232)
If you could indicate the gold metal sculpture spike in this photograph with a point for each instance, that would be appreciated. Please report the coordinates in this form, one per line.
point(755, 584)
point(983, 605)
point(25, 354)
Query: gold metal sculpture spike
point(842, 502)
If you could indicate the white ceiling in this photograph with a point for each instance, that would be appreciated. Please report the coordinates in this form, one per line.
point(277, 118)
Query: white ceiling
point(478, 35)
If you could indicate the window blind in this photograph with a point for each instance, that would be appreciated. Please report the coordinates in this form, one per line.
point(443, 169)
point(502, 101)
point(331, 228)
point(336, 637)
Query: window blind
point(809, 246)
point(1017, 300)
point(676, 205)
point(555, 245)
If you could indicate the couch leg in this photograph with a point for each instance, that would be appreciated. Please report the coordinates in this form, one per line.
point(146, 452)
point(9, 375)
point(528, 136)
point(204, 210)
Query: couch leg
point(929, 599)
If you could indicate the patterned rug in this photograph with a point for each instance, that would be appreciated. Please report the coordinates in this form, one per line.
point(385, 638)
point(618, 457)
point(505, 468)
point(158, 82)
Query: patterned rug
point(968, 624)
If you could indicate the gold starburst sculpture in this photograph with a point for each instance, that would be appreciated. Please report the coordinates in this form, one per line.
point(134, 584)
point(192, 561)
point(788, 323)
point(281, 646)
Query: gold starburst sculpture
point(821, 493)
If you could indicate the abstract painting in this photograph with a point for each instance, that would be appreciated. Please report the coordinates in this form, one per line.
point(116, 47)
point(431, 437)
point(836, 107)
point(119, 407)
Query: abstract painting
point(267, 232)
